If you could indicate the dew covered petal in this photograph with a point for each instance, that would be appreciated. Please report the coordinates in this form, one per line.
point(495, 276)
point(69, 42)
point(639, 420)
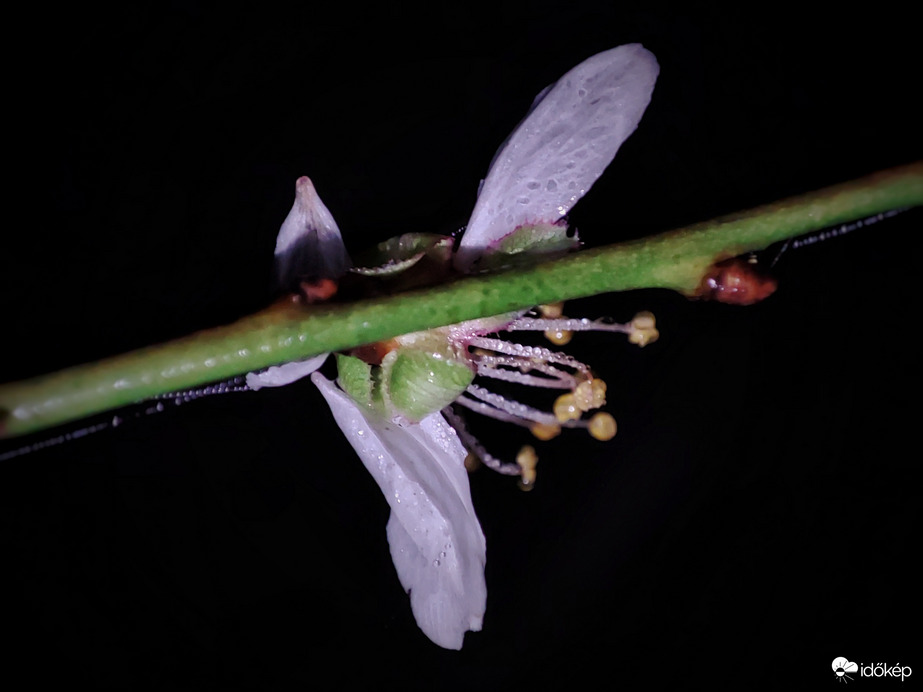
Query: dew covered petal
point(562, 146)
point(281, 375)
point(436, 542)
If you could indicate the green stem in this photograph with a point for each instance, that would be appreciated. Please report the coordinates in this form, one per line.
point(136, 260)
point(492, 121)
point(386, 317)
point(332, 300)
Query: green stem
point(677, 260)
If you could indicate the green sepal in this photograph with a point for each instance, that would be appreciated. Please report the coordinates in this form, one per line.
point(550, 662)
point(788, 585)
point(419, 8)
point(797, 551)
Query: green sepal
point(355, 378)
point(528, 243)
point(420, 382)
point(398, 254)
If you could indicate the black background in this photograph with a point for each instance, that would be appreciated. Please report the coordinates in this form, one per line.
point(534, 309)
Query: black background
point(756, 515)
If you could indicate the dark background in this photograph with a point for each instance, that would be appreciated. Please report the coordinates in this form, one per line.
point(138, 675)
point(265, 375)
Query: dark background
point(753, 520)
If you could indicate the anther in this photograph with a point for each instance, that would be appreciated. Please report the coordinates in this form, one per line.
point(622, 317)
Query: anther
point(527, 460)
point(602, 427)
point(565, 408)
point(590, 394)
point(552, 310)
point(559, 337)
point(545, 431)
point(643, 329)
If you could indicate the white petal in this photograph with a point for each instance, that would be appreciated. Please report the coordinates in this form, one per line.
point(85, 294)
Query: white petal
point(309, 244)
point(563, 145)
point(436, 542)
point(281, 375)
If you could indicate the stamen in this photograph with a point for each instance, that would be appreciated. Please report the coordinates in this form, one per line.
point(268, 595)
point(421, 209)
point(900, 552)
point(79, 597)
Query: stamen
point(492, 412)
point(559, 337)
point(472, 462)
point(537, 366)
point(524, 365)
point(602, 427)
point(527, 460)
point(552, 310)
point(545, 431)
point(513, 408)
point(487, 366)
point(537, 324)
point(590, 394)
point(566, 409)
point(643, 329)
point(474, 447)
point(537, 353)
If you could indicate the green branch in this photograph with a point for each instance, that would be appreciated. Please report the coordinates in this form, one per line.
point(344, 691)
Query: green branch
point(677, 260)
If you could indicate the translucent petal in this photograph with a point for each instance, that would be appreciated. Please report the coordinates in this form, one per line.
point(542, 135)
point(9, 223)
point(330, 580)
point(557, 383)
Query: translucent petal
point(561, 147)
point(436, 542)
point(281, 375)
point(309, 245)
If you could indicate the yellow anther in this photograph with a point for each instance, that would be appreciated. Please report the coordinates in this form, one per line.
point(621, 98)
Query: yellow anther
point(527, 460)
point(552, 311)
point(590, 394)
point(545, 431)
point(565, 408)
point(602, 426)
point(559, 337)
point(472, 462)
point(644, 320)
point(643, 329)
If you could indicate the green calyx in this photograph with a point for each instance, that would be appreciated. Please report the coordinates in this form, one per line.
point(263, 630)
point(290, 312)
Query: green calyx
point(355, 378)
point(529, 243)
point(410, 382)
point(421, 382)
point(398, 254)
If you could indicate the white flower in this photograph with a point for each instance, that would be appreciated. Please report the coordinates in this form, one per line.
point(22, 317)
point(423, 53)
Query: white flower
point(549, 162)
point(436, 541)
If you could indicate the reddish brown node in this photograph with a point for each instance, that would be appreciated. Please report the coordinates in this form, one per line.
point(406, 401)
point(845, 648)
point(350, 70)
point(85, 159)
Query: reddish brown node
point(318, 291)
point(374, 353)
point(736, 282)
